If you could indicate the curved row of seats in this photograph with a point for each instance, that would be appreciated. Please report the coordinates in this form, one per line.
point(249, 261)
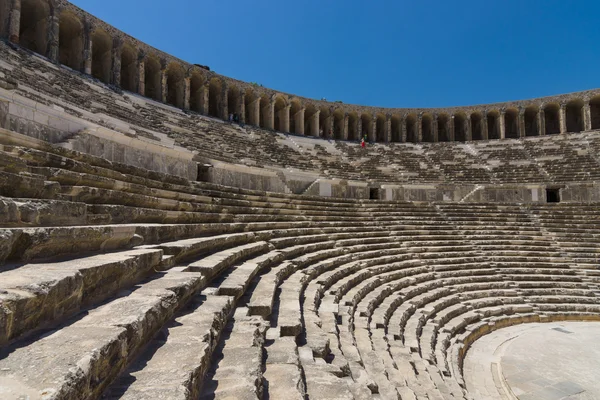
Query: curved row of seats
point(122, 283)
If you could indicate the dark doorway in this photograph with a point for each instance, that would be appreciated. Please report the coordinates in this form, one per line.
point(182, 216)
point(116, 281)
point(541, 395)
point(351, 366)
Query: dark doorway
point(374, 193)
point(552, 195)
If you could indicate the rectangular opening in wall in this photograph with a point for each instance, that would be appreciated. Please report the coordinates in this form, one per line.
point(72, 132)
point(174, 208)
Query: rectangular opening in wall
point(204, 171)
point(552, 195)
point(374, 193)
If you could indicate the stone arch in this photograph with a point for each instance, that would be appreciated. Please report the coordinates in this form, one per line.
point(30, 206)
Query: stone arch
point(511, 123)
point(353, 126)
point(70, 48)
point(574, 115)
point(443, 121)
point(129, 68)
point(175, 85)
point(197, 92)
point(215, 98)
point(552, 118)
point(101, 55)
point(476, 126)
point(281, 117)
point(233, 100)
point(411, 128)
point(531, 121)
point(380, 128)
point(296, 120)
point(325, 122)
point(595, 112)
point(427, 128)
point(460, 131)
point(310, 128)
point(251, 102)
point(152, 80)
point(493, 124)
point(396, 127)
point(367, 126)
point(33, 32)
point(338, 124)
point(265, 112)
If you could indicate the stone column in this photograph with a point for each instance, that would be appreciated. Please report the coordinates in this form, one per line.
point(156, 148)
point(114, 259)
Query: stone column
point(541, 118)
point(254, 111)
point(587, 117)
point(116, 62)
point(284, 117)
point(268, 116)
point(14, 24)
point(314, 124)
point(204, 98)
point(451, 129)
point(359, 128)
point(299, 121)
point(388, 128)
point(420, 128)
point(373, 137)
point(141, 75)
point(403, 129)
point(468, 129)
point(242, 108)
point(345, 127)
point(562, 116)
point(187, 84)
point(87, 50)
point(224, 106)
point(502, 125)
point(53, 36)
point(484, 126)
point(434, 128)
point(521, 123)
point(163, 81)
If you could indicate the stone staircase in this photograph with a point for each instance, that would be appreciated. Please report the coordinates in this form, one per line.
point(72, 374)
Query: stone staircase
point(122, 283)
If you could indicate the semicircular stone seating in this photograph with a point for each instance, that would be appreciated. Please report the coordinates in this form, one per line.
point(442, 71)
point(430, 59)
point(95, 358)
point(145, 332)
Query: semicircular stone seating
point(121, 283)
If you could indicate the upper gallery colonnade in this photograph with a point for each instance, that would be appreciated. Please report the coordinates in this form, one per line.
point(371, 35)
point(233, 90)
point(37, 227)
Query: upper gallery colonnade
point(68, 35)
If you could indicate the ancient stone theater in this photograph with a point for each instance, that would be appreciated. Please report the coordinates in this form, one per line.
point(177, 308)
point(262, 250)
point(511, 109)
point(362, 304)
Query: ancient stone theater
point(167, 232)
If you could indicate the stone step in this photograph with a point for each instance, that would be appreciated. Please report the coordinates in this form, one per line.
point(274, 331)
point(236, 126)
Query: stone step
point(81, 358)
point(237, 372)
point(175, 363)
point(35, 296)
point(17, 212)
point(27, 244)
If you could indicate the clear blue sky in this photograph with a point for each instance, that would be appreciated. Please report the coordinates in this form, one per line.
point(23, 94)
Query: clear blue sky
point(402, 53)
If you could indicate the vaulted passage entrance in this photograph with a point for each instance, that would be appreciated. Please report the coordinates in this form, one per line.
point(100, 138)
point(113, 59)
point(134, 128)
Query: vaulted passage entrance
point(443, 134)
point(353, 126)
point(33, 32)
point(411, 128)
point(129, 68)
point(175, 85)
point(152, 84)
point(426, 126)
point(552, 119)
point(215, 95)
point(595, 112)
point(493, 122)
point(477, 126)
point(531, 121)
point(70, 41)
point(575, 116)
point(101, 55)
point(460, 132)
point(511, 124)
point(396, 129)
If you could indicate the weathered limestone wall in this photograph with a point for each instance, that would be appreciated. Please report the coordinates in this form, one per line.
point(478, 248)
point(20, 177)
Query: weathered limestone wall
point(245, 177)
point(53, 125)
